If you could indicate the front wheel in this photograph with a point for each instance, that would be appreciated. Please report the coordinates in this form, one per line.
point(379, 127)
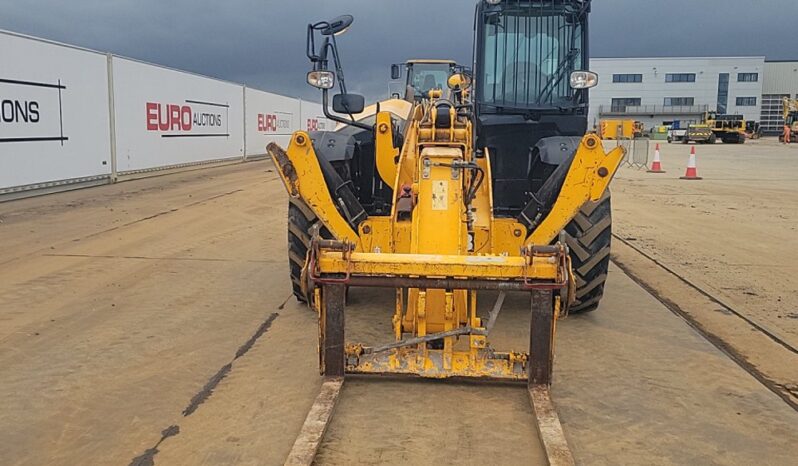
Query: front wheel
point(301, 223)
point(588, 237)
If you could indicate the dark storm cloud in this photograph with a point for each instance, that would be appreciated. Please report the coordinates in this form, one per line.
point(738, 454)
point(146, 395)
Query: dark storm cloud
point(262, 42)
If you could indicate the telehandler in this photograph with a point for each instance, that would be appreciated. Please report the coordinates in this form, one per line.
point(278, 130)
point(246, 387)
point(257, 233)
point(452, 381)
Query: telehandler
point(495, 188)
point(422, 75)
point(790, 115)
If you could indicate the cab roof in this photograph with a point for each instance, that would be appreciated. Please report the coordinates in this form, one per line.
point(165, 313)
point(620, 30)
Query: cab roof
point(425, 60)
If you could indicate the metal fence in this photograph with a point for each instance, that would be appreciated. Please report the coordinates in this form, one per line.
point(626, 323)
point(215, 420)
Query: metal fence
point(652, 109)
point(637, 150)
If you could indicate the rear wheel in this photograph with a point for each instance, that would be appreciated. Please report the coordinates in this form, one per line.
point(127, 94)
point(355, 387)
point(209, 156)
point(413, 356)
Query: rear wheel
point(301, 222)
point(588, 237)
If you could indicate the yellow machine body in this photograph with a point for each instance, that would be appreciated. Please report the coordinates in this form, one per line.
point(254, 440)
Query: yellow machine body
point(790, 114)
point(438, 247)
point(619, 129)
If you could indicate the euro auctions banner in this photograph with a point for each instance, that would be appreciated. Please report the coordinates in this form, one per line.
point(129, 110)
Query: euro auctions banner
point(270, 118)
point(53, 112)
point(166, 117)
point(191, 118)
point(31, 111)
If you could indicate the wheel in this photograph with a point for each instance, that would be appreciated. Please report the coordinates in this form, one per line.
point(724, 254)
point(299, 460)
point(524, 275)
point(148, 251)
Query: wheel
point(588, 237)
point(301, 221)
point(712, 139)
point(670, 140)
point(685, 140)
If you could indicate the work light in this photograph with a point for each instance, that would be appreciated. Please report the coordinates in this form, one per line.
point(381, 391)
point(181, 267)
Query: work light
point(321, 79)
point(583, 79)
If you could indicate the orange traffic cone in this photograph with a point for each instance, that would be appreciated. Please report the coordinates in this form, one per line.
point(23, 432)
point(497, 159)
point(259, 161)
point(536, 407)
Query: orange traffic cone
point(656, 166)
point(691, 173)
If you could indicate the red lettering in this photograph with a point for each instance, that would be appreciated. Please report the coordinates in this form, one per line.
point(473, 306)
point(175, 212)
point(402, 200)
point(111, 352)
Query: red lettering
point(261, 125)
point(163, 119)
point(313, 124)
point(152, 116)
point(174, 117)
point(185, 118)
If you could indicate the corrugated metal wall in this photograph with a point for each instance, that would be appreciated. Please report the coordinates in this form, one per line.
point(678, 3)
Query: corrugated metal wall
point(781, 78)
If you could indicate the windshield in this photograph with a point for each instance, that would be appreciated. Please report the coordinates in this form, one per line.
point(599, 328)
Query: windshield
point(528, 53)
point(426, 76)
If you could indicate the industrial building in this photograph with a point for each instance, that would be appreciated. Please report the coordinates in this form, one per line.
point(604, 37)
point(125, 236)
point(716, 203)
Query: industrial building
point(659, 91)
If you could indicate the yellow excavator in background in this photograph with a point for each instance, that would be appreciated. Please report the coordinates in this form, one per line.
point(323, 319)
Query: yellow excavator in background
point(730, 129)
point(484, 184)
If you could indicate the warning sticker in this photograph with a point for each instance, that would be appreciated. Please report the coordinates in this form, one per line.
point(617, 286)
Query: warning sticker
point(440, 194)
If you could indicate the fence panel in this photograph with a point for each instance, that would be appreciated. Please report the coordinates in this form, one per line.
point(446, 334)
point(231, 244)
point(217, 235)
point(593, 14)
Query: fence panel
point(166, 118)
point(269, 118)
point(54, 125)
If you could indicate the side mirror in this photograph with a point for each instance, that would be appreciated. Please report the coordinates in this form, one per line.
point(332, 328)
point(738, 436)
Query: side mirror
point(459, 80)
point(348, 103)
point(396, 72)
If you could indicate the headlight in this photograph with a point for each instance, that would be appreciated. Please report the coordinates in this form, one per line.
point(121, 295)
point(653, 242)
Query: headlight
point(583, 79)
point(321, 79)
point(493, 2)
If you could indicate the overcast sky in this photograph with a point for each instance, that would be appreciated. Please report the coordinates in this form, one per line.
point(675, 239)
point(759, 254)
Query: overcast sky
point(261, 43)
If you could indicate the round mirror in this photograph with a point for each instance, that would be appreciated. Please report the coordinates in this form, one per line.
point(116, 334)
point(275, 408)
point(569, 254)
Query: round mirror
point(459, 80)
point(338, 25)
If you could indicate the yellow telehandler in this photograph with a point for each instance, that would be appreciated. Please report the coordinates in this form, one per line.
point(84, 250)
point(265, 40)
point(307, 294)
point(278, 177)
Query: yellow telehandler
point(496, 187)
point(790, 115)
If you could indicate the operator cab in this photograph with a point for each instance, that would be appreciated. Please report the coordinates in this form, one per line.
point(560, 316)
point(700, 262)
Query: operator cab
point(531, 91)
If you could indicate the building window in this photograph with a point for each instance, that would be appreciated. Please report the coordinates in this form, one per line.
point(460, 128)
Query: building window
point(679, 101)
point(746, 101)
point(723, 92)
point(620, 104)
point(680, 78)
point(747, 77)
point(627, 78)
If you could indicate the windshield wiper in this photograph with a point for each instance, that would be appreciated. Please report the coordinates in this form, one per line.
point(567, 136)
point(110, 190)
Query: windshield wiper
point(555, 78)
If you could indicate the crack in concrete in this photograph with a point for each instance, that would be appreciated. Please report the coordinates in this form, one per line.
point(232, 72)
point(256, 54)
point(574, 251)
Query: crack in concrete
point(148, 457)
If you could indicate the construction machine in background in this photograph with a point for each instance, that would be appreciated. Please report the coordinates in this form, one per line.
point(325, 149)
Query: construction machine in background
point(753, 130)
point(790, 115)
point(619, 129)
point(699, 134)
point(496, 187)
point(422, 76)
point(639, 129)
point(730, 129)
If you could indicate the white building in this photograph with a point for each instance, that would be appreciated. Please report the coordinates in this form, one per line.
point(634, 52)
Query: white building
point(660, 91)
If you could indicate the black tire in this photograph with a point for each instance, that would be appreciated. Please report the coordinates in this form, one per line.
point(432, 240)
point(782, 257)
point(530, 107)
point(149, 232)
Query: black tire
point(300, 222)
point(588, 237)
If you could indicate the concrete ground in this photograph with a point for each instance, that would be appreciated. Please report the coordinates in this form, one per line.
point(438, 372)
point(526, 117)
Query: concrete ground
point(150, 322)
point(733, 235)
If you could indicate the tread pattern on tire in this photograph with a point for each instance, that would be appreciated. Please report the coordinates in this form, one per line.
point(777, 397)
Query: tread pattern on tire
point(300, 221)
point(588, 237)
